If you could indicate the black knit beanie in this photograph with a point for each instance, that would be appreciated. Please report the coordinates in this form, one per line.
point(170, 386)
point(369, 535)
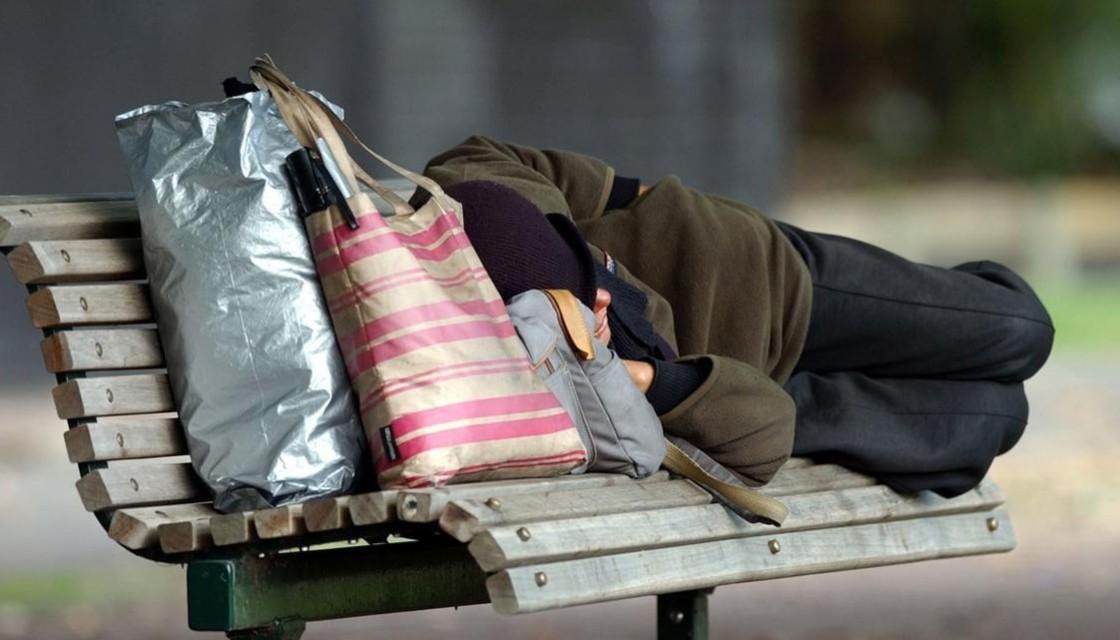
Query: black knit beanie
point(521, 248)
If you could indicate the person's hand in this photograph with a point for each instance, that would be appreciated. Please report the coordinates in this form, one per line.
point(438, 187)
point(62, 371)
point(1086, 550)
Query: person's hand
point(640, 372)
point(602, 327)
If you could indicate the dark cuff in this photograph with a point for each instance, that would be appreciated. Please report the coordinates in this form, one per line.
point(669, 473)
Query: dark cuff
point(674, 381)
point(623, 191)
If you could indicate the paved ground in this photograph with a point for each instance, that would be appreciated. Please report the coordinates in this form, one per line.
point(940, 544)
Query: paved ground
point(61, 578)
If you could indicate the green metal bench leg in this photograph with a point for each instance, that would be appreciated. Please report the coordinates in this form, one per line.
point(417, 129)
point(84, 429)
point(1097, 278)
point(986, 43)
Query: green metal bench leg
point(683, 615)
point(272, 597)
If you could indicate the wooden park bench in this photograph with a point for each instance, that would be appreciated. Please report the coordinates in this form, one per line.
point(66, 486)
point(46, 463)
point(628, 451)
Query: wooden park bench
point(523, 546)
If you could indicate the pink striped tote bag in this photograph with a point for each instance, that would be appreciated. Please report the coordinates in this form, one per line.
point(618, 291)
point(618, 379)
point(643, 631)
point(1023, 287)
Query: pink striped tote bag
point(445, 387)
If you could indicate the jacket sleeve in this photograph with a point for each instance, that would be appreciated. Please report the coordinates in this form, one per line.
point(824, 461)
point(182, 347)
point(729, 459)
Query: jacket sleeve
point(657, 310)
point(564, 182)
point(738, 416)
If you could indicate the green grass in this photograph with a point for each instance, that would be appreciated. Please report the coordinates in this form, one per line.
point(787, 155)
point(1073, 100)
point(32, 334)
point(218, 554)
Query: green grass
point(1087, 317)
point(47, 593)
point(50, 592)
point(35, 589)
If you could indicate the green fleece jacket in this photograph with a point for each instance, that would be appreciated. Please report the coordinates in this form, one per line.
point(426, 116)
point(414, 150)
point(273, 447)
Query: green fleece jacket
point(723, 283)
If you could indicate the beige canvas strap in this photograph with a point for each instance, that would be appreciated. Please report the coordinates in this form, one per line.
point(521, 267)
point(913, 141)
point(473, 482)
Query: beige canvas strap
point(745, 498)
point(309, 119)
point(571, 318)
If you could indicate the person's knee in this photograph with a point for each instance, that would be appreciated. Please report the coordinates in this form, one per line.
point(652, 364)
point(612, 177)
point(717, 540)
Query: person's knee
point(999, 274)
point(768, 446)
point(1015, 411)
point(1032, 338)
point(1029, 330)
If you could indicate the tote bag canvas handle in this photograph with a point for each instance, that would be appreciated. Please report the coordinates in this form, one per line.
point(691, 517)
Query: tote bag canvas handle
point(310, 121)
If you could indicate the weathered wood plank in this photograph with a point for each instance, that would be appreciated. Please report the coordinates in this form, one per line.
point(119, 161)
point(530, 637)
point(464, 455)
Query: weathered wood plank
point(426, 505)
point(279, 522)
point(117, 439)
point(507, 546)
point(113, 395)
point(373, 508)
point(462, 519)
point(137, 528)
point(140, 484)
point(55, 261)
point(185, 536)
point(327, 514)
point(709, 564)
point(100, 349)
point(32, 221)
point(89, 304)
point(812, 478)
point(232, 528)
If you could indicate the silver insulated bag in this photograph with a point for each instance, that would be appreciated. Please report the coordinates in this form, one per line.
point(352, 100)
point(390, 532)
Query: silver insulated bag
point(260, 385)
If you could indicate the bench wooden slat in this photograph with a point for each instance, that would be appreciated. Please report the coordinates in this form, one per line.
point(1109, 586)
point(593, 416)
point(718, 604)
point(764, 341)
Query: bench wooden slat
point(90, 304)
point(709, 564)
point(358, 510)
point(53, 261)
point(373, 508)
point(426, 505)
point(327, 514)
point(810, 479)
point(507, 546)
point(464, 518)
point(101, 349)
point(232, 528)
point(122, 439)
point(113, 395)
point(32, 221)
point(279, 522)
point(137, 528)
point(140, 484)
point(185, 536)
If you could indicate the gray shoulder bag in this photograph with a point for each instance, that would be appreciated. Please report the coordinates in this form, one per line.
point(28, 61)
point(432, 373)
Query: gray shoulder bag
point(619, 427)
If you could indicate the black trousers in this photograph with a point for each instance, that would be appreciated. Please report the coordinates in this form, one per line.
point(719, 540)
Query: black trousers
point(913, 373)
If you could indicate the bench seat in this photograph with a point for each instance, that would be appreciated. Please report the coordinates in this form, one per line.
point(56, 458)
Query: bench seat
point(522, 545)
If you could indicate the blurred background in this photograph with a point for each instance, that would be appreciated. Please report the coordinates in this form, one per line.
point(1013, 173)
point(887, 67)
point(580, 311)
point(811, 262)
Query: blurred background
point(944, 131)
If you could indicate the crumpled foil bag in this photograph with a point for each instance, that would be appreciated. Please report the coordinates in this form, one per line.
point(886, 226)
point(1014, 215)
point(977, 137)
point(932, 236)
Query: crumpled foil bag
point(260, 384)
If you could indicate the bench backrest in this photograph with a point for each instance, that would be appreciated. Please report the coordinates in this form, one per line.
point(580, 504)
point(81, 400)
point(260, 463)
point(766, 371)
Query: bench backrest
point(80, 258)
